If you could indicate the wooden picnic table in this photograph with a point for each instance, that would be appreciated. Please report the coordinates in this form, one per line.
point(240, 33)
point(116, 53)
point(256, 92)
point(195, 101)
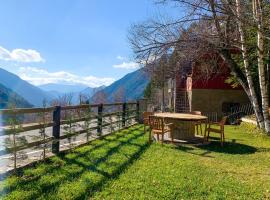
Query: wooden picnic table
point(184, 124)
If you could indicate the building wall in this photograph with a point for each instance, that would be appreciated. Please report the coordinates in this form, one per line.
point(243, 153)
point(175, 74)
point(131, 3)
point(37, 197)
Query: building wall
point(211, 100)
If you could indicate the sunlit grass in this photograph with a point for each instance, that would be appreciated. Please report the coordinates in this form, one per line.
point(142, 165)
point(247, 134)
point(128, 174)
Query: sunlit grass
point(78, 174)
point(124, 166)
point(239, 170)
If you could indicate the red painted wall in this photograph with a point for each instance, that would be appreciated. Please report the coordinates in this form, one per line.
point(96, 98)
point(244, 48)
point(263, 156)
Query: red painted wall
point(214, 80)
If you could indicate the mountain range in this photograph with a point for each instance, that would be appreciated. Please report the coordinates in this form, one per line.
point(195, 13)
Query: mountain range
point(10, 98)
point(132, 86)
point(62, 88)
point(90, 91)
point(29, 92)
point(56, 90)
point(14, 89)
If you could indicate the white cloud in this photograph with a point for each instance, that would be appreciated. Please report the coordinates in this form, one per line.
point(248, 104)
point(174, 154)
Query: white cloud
point(20, 55)
point(38, 76)
point(127, 65)
point(121, 58)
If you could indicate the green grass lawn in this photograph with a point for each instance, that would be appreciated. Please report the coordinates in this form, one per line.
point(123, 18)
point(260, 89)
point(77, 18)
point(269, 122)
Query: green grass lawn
point(124, 166)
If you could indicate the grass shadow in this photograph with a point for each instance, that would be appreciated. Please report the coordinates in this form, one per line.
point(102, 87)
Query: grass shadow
point(228, 148)
point(79, 174)
point(187, 148)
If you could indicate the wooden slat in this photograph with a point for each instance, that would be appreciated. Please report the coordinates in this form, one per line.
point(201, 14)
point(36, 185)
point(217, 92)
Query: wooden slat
point(26, 110)
point(131, 103)
point(76, 133)
point(83, 106)
point(77, 120)
point(26, 146)
point(25, 127)
point(34, 126)
point(131, 111)
point(112, 113)
point(50, 139)
point(114, 122)
point(113, 104)
point(119, 103)
point(51, 109)
point(29, 127)
point(37, 143)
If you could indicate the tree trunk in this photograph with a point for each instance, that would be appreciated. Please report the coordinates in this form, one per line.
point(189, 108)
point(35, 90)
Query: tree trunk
point(236, 71)
point(249, 87)
point(258, 14)
point(253, 96)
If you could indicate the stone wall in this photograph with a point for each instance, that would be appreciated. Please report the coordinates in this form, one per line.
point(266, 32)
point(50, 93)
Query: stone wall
point(211, 100)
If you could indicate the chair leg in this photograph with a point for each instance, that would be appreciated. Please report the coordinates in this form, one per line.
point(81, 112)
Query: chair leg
point(205, 138)
point(221, 139)
point(201, 129)
point(197, 129)
point(157, 137)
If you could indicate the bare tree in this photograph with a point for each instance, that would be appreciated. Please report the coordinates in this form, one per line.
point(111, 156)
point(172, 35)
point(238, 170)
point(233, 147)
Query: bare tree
point(225, 27)
point(63, 100)
point(83, 98)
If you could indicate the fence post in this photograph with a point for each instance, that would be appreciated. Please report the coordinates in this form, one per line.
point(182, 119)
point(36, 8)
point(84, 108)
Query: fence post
point(56, 129)
point(138, 111)
point(100, 110)
point(124, 114)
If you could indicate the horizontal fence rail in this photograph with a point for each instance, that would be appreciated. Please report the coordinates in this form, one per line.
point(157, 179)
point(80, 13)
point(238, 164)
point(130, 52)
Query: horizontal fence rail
point(98, 116)
point(237, 112)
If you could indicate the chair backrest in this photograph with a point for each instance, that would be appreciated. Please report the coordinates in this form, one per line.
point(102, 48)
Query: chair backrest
point(223, 121)
point(146, 117)
point(196, 112)
point(156, 122)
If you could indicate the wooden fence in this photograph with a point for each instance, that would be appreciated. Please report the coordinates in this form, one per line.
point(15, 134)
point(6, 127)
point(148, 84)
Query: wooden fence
point(121, 112)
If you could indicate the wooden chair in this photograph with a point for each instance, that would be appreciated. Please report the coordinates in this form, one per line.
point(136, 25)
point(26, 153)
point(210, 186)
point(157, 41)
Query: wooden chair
point(219, 130)
point(198, 124)
point(159, 127)
point(146, 119)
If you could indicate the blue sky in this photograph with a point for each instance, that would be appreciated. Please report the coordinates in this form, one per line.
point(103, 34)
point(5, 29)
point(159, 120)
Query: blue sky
point(70, 41)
